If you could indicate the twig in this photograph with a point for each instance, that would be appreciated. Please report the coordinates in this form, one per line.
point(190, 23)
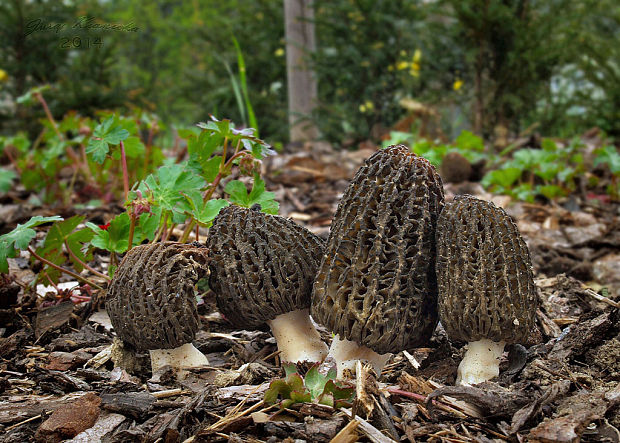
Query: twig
point(61, 269)
point(373, 434)
point(169, 393)
point(86, 266)
point(599, 297)
point(28, 420)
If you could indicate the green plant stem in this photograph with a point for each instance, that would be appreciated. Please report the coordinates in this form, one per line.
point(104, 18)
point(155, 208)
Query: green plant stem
point(125, 173)
point(161, 228)
point(132, 228)
point(84, 265)
point(147, 153)
point(61, 269)
point(169, 232)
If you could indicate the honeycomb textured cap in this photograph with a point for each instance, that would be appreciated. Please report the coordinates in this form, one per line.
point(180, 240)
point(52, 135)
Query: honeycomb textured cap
point(261, 265)
point(484, 273)
point(376, 284)
point(151, 299)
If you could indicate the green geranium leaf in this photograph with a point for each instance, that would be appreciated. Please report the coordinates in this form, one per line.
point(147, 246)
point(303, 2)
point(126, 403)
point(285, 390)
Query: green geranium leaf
point(469, 142)
point(169, 185)
point(105, 134)
point(134, 147)
point(503, 177)
point(550, 191)
point(239, 195)
point(19, 239)
point(115, 238)
point(6, 179)
point(609, 156)
point(61, 235)
point(205, 213)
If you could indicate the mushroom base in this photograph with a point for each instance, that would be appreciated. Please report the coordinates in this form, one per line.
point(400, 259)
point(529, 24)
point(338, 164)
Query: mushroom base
point(181, 358)
point(346, 353)
point(480, 363)
point(297, 338)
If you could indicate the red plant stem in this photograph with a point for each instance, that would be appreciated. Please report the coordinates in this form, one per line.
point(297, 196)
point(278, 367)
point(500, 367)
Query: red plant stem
point(125, 173)
point(197, 232)
point(12, 160)
point(420, 398)
point(132, 228)
point(48, 113)
point(70, 152)
point(86, 266)
point(51, 281)
point(61, 269)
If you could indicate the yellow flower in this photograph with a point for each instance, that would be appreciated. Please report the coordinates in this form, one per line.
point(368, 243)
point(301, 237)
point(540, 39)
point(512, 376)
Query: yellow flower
point(458, 83)
point(417, 56)
point(279, 52)
point(402, 65)
point(3, 76)
point(367, 106)
point(415, 70)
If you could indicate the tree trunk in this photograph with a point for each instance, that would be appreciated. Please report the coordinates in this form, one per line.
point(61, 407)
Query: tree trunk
point(301, 80)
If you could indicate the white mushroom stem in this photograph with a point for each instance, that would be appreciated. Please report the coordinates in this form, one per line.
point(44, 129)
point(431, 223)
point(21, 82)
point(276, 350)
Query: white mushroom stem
point(346, 353)
point(480, 363)
point(297, 338)
point(181, 358)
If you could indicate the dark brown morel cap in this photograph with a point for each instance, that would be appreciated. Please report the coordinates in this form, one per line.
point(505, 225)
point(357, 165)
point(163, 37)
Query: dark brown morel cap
point(261, 265)
point(486, 286)
point(151, 299)
point(376, 284)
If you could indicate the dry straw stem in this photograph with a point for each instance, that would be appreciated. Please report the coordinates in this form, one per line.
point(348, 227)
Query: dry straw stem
point(373, 434)
point(235, 412)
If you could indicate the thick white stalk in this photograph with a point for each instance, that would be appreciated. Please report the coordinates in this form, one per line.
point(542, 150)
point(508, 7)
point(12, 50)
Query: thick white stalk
point(480, 363)
point(297, 338)
point(185, 356)
point(346, 353)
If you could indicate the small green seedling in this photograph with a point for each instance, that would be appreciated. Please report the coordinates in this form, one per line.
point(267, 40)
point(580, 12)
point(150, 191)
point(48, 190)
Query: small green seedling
point(315, 387)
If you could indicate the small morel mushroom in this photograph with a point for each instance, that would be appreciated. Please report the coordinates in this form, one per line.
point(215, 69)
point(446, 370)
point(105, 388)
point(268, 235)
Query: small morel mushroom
point(152, 302)
point(261, 271)
point(487, 295)
point(455, 168)
point(376, 287)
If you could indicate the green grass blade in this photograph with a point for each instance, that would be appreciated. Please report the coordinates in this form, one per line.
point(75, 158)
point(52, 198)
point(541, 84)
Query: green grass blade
point(244, 86)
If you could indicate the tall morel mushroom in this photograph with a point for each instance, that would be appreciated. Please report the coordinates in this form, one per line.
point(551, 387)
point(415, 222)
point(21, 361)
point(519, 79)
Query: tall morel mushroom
point(487, 295)
point(376, 287)
point(152, 302)
point(261, 271)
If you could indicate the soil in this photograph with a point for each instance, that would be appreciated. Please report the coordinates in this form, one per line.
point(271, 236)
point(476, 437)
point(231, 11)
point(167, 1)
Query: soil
point(59, 380)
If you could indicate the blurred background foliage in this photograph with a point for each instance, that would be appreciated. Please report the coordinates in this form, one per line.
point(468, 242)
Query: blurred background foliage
point(487, 65)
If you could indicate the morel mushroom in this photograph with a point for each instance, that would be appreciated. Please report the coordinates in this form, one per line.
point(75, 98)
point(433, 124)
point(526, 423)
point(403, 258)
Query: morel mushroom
point(376, 287)
point(152, 302)
point(261, 271)
point(487, 295)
